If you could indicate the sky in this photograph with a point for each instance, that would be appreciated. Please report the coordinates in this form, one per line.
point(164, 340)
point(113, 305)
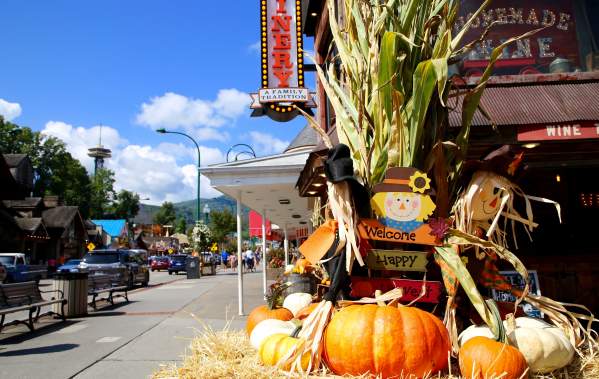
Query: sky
point(67, 67)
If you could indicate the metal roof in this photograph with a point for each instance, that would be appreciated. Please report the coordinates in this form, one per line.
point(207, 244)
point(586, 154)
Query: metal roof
point(538, 103)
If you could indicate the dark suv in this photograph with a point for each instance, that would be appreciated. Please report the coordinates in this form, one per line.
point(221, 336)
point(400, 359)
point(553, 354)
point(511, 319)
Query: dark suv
point(176, 263)
point(124, 266)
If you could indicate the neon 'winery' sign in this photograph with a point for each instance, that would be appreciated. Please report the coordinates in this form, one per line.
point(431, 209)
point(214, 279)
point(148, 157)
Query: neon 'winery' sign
point(282, 70)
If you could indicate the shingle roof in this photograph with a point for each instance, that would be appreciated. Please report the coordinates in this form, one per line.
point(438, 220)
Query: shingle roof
point(111, 227)
point(306, 137)
point(59, 217)
point(29, 224)
point(29, 202)
point(13, 160)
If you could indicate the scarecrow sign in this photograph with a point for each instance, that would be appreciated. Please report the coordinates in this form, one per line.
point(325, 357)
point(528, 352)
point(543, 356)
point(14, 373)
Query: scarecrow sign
point(397, 260)
point(403, 204)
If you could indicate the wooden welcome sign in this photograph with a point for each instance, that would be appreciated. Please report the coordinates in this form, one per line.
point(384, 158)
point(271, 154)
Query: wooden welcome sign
point(402, 203)
point(397, 260)
point(412, 289)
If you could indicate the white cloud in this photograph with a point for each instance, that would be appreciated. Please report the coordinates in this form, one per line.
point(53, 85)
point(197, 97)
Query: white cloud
point(9, 111)
point(196, 116)
point(162, 173)
point(254, 47)
point(266, 144)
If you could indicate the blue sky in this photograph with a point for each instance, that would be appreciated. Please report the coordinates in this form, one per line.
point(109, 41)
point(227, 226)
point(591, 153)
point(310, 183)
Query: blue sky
point(133, 66)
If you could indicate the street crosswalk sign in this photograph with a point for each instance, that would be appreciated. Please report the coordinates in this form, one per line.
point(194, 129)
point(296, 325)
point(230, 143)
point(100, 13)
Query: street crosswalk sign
point(214, 247)
point(170, 251)
point(91, 246)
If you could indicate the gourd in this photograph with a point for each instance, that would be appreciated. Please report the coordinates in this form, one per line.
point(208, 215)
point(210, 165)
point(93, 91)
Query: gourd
point(267, 328)
point(264, 312)
point(483, 358)
point(386, 341)
point(297, 301)
point(545, 347)
point(305, 312)
point(276, 347)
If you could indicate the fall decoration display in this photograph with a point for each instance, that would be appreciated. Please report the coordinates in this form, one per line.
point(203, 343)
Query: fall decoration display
point(276, 347)
point(482, 358)
point(272, 309)
point(302, 266)
point(267, 328)
point(305, 312)
point(297, 301)
point(386, 341)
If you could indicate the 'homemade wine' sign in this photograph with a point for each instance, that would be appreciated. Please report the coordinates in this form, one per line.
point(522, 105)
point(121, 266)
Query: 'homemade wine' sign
point(397, 260)
point(422, 291)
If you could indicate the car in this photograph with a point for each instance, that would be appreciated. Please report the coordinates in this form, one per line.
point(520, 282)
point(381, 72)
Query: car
point(72, 265)
point(2, 273)
point(159, 263)
point(177, 263)
point(125, 266)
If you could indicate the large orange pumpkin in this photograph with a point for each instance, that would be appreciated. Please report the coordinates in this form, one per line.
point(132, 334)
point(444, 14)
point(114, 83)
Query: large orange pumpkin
point(305, 312)
point(482, 358)
point(386, 341)
point(264, 312)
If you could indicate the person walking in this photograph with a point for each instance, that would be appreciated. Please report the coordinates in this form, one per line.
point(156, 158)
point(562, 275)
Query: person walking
point(233, 262)
point(243, 258)
point(250, 259)
point(224, 259)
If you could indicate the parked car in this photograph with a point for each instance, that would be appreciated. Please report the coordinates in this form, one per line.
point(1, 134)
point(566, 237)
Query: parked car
point(159, 263)
point(125, 266)
point(2, 273)
point(18, 268)
point(176, 263)
point(72, 265)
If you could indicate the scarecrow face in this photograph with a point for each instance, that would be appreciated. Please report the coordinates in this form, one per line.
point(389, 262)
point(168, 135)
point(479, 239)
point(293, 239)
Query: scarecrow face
point(486, 200)
point(402, 206)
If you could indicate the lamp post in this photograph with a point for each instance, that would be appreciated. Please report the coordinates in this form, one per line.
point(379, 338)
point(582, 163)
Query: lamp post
point(206, 213)
point(164, 131)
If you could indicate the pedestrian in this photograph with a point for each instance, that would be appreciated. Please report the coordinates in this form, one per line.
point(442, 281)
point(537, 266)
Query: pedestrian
point(233, 262)
point(224, 258)
point(250, 259)
point(243, 258)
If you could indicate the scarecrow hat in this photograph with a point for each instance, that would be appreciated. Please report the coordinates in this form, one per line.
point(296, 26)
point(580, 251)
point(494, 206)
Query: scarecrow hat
point(404, 179)
point(339, 167)
point(505, 161)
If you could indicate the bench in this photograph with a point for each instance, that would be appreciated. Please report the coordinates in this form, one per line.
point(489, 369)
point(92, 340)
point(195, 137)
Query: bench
point(17, 297)
point(99, 284)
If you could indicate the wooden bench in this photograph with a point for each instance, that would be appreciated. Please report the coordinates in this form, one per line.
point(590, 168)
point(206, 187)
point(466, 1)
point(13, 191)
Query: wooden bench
point(99, 284)
point(17, 297)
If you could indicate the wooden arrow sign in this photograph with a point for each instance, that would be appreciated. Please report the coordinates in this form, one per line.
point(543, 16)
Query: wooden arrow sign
point(397, 260)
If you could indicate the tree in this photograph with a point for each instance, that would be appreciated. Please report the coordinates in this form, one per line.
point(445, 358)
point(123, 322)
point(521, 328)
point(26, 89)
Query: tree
point(102, 192)
point(166, 214)
point(181, 226)
point(56, 171)
point(125, 205)
point(221, 224)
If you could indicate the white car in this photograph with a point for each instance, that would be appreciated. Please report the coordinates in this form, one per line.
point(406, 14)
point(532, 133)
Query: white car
point(2, 273)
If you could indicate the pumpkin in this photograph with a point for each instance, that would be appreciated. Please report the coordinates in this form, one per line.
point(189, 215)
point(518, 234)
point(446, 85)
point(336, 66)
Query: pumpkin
point(265, 312)
point(266, 328)
point(276, 347)
point(297, 301)
point(305, 312)
point(545, 347)
point(482, 358)
point(385, 341)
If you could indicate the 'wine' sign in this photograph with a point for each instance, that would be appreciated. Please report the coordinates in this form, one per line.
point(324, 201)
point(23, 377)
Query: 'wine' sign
point(282, 57)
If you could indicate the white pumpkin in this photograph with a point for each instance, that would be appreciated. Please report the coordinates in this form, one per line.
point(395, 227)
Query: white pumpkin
point(267, 328)
point(295, 302)
point(545, 347)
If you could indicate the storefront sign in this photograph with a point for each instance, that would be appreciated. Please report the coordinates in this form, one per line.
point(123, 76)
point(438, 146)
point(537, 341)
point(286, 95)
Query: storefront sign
point(397, 260)
point(512, 18)
point(412, 289)
point(374, 230)
point(517, 281)
point(559, 132)
point(282, 57)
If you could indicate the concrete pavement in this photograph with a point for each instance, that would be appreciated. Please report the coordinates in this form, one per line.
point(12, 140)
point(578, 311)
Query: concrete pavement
point(128, 340)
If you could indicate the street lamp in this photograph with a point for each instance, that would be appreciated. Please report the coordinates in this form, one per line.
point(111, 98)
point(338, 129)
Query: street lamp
point(164, 131)
point(206, 212)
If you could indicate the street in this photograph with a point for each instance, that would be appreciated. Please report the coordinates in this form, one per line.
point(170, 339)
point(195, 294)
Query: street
point(127, 340)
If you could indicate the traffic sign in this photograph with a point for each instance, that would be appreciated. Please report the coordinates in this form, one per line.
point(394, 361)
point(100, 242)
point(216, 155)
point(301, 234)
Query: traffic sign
point(170, 251)
point(91, 246)
point(214, 247)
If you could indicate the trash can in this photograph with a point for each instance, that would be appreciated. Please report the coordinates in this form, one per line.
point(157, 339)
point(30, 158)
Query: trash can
point(74, 287)
point(192, 267)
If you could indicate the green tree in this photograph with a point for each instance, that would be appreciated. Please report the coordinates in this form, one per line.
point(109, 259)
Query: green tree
point(102, 192)
point(56, 171)
point(125, 205)
point(221, 224)
point(166, 214)
point(181, 226)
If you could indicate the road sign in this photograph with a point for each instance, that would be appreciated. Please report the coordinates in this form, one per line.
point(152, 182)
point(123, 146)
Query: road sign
point(214, 247)
point(170, 251)
point(91, 246)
